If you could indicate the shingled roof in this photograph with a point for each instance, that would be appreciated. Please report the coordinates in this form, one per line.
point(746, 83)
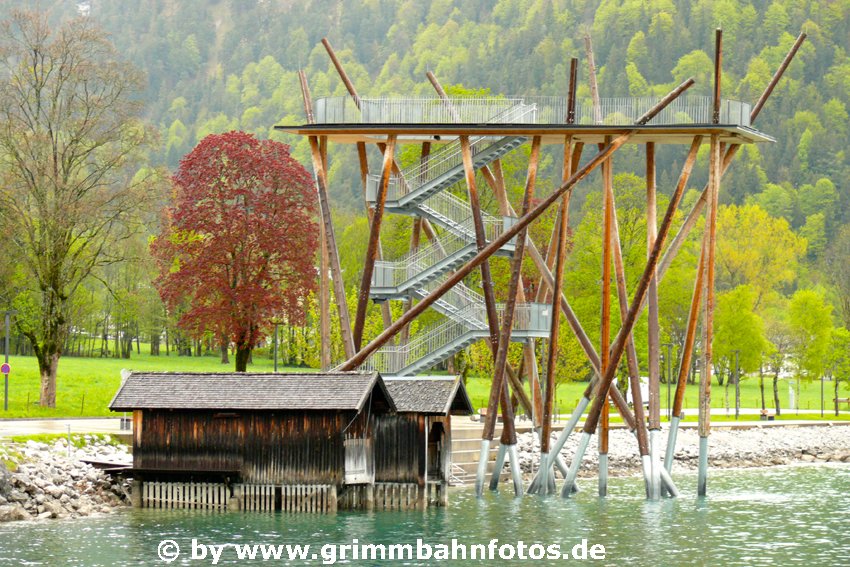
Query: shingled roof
point(331, 391)
point(439, 395)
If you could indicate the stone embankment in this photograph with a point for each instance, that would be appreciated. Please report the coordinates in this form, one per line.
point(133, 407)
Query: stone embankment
point(40, 481)
point(729, 448)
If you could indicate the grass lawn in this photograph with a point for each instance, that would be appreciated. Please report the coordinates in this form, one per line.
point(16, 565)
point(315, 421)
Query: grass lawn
point(568, 395)
point(85, 386)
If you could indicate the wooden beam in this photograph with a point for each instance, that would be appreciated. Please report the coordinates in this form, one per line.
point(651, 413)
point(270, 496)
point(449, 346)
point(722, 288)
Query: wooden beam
point(555, 324)
point(605, 319)
point(637, 302)
point(498, 389)
point(324, 261)
point(333, 254)
point(328, 238)
point(374, 241)
point(654, 327)
point(504, 339)
point(718, 66)
point(731, 151)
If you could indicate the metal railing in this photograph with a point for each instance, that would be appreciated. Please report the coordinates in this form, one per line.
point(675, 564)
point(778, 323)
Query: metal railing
point(391, 359)
point(395, 273)
point(689, 109)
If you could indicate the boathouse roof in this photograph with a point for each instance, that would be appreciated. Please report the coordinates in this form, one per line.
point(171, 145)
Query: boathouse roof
point(305, 391)
point(439, 395)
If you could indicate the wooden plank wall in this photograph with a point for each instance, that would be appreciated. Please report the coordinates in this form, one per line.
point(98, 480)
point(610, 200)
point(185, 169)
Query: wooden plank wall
point(399, 450)
point(267, 448)
point(185, 495)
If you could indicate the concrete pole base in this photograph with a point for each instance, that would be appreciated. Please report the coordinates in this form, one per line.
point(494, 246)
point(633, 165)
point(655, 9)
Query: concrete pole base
point(702, 470)
point(603, 474)
point(483, 457)
point(496, 476)
point(655, 465)
point(516, 474)
point(572, 473)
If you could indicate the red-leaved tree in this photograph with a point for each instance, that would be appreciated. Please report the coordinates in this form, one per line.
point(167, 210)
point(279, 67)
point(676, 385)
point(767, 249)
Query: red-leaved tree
point(238, 245)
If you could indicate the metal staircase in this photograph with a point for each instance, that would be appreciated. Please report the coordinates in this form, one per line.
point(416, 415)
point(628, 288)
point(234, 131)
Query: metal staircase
point(423, 190)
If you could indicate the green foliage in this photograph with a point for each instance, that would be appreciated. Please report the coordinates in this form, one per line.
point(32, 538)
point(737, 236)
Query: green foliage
point(810, 323)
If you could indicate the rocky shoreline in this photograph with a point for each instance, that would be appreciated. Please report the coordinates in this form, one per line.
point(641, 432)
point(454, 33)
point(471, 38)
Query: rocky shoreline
point(41, 481)
point(729, 448)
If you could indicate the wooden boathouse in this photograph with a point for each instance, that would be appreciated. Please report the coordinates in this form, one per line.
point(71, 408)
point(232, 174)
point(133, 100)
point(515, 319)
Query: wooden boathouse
point(291, 442)
point(413, 445)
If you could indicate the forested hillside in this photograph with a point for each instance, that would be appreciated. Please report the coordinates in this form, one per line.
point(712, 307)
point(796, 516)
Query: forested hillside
point(218, 65)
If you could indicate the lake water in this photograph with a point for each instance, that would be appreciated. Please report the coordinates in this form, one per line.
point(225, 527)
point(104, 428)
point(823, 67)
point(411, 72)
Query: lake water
point(778, 516)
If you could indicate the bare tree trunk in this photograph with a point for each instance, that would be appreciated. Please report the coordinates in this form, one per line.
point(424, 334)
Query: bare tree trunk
point(243, 354)
point(224, 344)
point(761, 386)
point(835, 397)
point(776, 392)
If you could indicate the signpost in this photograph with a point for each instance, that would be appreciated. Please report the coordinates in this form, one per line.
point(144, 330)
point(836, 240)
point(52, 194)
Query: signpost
point(6, 369)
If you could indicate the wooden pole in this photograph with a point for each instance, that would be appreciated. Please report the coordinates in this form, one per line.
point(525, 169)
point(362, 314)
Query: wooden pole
point(374, 241)
point(710, 244)
point(605, 328)
point(363, 159)
point(328, 238)
point(636, 304)
point(511, 232)
point(497, 388)
point(730, 153)
point(504, 340)
point(324, 260)
point(333, 254)
point(718, 66)
point(594, 89)
point(654, 331)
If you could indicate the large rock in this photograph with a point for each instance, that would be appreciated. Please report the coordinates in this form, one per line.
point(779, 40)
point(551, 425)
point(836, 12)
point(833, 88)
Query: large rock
point(13, 512)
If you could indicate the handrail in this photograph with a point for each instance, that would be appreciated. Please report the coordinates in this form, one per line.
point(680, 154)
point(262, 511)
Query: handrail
point(622, 111)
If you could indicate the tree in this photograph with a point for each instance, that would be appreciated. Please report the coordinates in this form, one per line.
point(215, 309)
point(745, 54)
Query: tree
point(838, 360)
point(737, 328)
point(238, 245)
point(837, 266)
point(771, 254)
point(810, 321)
point(69, 138)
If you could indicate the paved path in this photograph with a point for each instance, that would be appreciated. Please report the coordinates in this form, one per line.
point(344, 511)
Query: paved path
point(111, 425)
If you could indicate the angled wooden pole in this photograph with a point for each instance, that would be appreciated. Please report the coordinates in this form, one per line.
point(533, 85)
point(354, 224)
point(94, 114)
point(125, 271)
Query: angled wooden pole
point(374, 241)
point(591, 70)
point(319, 169)
point(529, 357)
point(363, 159)
point(333, 254)
point(324, 259)
point(511, 232)
point(730, 153)
point(545, 485)
point(513, 376)
point(510, 307)
point(636, 306)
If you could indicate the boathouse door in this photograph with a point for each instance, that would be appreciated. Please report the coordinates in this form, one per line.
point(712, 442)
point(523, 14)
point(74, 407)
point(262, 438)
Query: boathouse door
point(436, 441)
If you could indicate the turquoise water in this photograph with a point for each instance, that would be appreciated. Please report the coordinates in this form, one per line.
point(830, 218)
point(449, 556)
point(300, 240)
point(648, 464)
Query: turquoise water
point(777, 516)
